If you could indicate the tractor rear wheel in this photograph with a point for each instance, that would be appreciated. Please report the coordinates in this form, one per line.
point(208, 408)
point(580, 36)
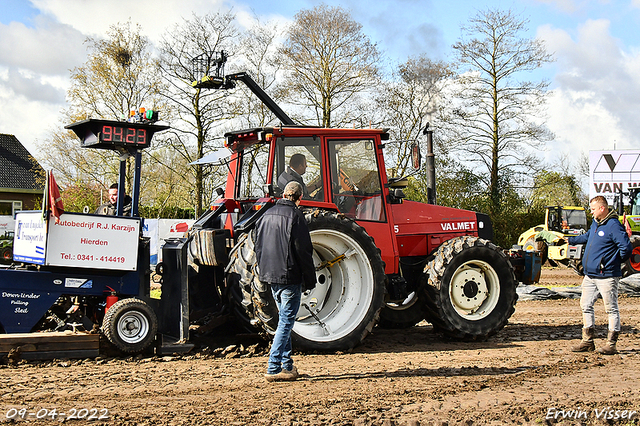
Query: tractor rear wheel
point(130, 325)
point(240, 277)
point(345, 304)
point(398, 314)
point(632, 265)
point(7, 255)
point(405, 314)
point(470, 289)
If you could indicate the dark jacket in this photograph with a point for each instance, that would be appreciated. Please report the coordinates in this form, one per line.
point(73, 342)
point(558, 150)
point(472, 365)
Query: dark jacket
point(109, 209)
point(607, 247)
point(283, 246)
point(289, 175)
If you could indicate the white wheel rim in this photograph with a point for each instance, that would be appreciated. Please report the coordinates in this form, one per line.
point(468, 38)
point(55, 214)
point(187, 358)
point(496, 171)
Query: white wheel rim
point(475, 290)
point(133, 327)
point(344, 291)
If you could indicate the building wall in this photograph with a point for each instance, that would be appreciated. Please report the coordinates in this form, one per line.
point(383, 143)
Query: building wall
point(29, 201)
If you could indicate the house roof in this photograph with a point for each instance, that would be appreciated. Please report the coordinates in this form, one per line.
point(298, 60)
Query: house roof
point(18, 169)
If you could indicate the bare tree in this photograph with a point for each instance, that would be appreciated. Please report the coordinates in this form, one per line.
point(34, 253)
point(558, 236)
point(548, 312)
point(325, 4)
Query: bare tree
point(408, 101)
point(329, 61)
point(493, 118)
point(196, 112)
point(258, 50)
point(118, 76)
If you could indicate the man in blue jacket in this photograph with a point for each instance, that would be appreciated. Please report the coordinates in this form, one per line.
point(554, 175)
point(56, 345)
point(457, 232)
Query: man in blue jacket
point(607, 247)
point(284, 255)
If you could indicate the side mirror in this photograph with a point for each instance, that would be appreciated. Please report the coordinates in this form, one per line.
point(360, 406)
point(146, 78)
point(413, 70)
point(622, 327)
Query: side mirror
point(416, 157)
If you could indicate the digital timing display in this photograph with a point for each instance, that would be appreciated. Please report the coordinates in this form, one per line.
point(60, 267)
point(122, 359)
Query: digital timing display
point(115, 135)
point(123, 135)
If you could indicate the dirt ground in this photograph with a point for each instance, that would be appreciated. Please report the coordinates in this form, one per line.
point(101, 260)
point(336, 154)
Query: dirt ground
point(526, 374)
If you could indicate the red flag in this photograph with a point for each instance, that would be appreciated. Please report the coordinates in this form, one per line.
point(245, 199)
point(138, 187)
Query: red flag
point(627, 227)
point(55, 200)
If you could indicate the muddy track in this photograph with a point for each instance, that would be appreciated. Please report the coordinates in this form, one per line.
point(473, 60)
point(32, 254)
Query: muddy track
point(526, 374)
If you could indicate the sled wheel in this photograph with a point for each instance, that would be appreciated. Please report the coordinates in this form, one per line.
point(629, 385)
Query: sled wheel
point(130, 325)
point(470, 289)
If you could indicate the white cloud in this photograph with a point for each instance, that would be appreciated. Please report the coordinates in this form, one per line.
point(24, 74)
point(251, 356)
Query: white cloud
point(29, 120)
point(48, 48)
point(32, 87)
point(597, 93)
point(94, 17)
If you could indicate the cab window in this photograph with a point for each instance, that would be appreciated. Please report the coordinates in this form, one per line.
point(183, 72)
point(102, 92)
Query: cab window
point(356, 186)
point(298, 159)
point(253, 175)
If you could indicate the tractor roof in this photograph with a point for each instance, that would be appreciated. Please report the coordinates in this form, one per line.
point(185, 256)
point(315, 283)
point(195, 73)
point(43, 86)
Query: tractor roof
point(238, 140)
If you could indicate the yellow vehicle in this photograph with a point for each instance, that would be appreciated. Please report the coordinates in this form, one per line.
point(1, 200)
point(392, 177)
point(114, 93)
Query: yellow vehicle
point(550, 238)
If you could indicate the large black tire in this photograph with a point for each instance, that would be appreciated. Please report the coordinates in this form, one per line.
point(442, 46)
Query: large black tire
point(470, 289)
point(348, 297)
point(130, 325)
point(402, 315)
point(239, 276)
point(632, 265)
point(397, 314)
point(7, 255)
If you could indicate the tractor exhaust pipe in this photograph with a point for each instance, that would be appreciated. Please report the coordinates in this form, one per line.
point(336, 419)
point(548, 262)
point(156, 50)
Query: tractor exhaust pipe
point(431, 167)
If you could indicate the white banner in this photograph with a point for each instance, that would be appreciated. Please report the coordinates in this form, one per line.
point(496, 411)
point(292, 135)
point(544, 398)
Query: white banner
point(158, 230)
point(150, 230)
point(101, 242)
point(30, 238)
point(172, 228)
point(613, 171)
point(7, 223)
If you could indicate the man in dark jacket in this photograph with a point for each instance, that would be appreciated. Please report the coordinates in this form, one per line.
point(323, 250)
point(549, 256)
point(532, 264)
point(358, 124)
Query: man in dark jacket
point(110, 207)
point(607, 247)
point(284, 255)
point(297, 168)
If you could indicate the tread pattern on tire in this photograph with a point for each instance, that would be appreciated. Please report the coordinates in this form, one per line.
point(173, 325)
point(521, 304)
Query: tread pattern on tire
point(256, 298)
point(440, 317)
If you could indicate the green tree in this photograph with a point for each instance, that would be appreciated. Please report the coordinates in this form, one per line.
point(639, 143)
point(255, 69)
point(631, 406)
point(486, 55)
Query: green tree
point(493, 117)
point(553, 188)
point(80, 195)
point(328, 62)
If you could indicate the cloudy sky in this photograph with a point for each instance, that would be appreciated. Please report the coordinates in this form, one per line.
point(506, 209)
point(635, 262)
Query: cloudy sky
point(595, 79)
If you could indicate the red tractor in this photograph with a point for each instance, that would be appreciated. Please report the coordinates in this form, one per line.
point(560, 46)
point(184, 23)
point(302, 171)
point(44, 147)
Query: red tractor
point(379, 257)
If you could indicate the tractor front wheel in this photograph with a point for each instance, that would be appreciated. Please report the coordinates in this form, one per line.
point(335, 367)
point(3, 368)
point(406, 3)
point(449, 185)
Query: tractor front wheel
point(470, 289)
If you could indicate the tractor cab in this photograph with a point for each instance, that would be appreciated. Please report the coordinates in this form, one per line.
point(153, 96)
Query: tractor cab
point(566, 220)
point(349, 180)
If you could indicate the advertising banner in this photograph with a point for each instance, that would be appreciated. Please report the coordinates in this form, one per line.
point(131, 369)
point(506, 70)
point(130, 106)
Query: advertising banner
point(30, 238)
point(7, 223)
point(87, 241)
point(613, 171)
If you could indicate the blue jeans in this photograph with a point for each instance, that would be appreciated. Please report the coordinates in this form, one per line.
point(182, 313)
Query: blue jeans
point(608, 288)
point(287, 299)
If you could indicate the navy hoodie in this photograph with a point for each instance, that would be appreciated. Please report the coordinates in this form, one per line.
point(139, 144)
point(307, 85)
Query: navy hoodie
point(607, 247)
